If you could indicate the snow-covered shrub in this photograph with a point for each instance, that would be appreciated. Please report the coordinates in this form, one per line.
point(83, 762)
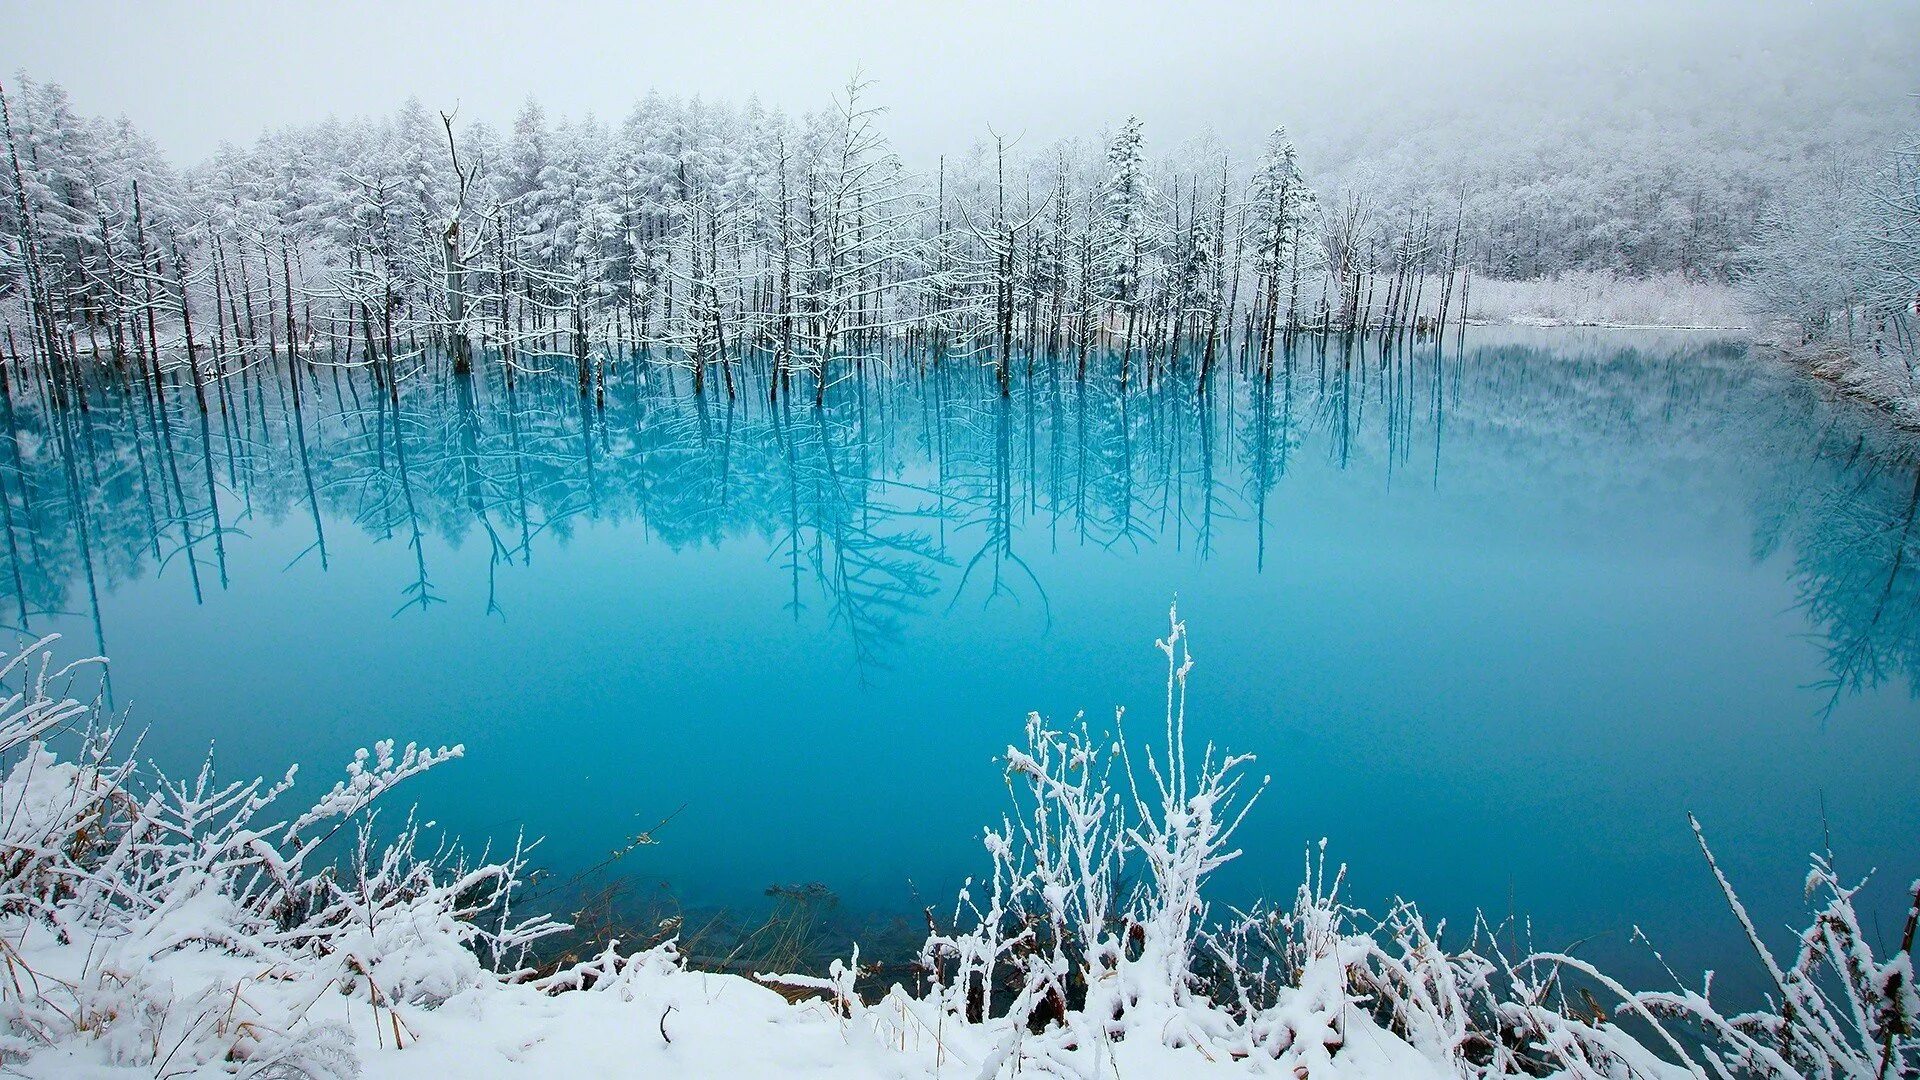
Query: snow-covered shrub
point(1082, 956)
point(165, 924)
point(1091, 936)
point(1836, 1011)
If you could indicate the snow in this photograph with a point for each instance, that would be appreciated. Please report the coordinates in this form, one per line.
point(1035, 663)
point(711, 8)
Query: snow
point(652, 1017)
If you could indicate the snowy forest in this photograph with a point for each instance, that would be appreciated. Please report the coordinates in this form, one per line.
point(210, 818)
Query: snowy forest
point(732, 240)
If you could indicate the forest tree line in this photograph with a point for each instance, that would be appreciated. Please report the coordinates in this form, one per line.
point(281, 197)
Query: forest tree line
point(711, 236)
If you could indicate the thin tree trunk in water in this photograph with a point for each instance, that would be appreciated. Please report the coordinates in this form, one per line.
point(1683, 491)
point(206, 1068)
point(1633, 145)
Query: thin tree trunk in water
point(219, 328)
point(580, 339)
point(186, 327)
point(293, 351)
point(252, 327)
point(266, 274)
point(500, 286)
point(457, 341)
point(1466, 290)
point(1219, 280)
point(1293, 294)
point(147, 274)
point(713, 297)
point(783, 354)
point(1453, 267)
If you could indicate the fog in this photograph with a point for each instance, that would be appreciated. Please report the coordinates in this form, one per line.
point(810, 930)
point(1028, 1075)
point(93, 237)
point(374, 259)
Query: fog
point(195, 75)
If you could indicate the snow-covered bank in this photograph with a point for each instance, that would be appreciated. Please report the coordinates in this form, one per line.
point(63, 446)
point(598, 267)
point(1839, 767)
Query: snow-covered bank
point(1601, 298)
point(1883, 380)
point(1836, 274)
point(186, 928)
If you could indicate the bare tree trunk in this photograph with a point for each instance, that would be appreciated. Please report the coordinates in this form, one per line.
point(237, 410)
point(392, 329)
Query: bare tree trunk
point(186, 326)
point(147, 275)
point(286, 281)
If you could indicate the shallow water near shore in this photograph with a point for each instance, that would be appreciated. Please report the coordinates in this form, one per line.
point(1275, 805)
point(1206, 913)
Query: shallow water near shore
point(1494, 618)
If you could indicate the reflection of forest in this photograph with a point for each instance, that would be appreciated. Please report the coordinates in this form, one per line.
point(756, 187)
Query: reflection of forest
point(871, 500)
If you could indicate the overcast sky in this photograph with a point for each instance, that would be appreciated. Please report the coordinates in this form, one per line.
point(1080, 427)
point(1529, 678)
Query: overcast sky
point(195, 74)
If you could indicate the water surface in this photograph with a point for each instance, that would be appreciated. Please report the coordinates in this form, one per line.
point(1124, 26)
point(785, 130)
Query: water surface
point(1493, 619)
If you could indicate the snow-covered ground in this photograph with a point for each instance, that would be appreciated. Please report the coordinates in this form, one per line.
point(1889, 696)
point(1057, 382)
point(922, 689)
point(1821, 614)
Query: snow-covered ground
point(1884, 378)
point(1601, 298)
point(160, 927)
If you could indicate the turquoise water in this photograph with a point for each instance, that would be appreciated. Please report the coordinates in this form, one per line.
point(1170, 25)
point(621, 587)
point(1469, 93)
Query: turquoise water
point(1493, 619)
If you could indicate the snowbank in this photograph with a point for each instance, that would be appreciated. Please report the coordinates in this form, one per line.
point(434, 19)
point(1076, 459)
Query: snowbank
point(156, 927)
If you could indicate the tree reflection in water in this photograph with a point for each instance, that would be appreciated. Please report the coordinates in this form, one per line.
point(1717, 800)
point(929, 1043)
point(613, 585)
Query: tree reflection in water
point(916, 488)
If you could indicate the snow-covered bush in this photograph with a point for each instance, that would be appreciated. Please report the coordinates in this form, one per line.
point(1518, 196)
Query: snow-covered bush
point(1092, 934)
point(1081, 952)
point(1837, 1011)
point(126, 899)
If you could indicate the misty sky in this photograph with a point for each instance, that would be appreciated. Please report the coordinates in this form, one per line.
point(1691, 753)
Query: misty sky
point(193, 75)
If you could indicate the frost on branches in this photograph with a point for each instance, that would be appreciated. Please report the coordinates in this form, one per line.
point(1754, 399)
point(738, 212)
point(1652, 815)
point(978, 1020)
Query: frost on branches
point(170, 925)
point(1836, 269)
point(152, 926)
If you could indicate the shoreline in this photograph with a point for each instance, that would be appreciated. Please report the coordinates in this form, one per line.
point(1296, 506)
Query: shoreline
point(1843, 373)
point(224, 947)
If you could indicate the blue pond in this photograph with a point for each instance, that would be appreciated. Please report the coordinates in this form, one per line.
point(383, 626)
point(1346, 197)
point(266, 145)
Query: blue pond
point(1494, 618)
